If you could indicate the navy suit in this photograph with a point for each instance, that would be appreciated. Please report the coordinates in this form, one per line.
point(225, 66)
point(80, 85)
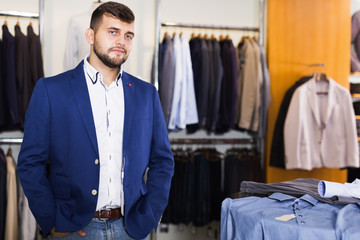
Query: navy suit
point(59, 128)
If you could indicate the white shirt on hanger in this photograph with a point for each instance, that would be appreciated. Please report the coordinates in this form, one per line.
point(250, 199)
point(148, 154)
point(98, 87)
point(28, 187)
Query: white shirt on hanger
point(77, 47)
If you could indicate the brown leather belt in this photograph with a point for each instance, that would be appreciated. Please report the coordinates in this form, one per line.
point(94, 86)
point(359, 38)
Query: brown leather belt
point(109, 213)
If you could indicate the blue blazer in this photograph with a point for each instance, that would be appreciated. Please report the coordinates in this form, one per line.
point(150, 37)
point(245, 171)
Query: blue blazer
point(59, 129)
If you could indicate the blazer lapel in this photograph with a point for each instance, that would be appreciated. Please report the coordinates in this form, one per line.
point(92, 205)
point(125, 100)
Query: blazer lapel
point(331, 99)
point(82, 99)
point(311, 98)
point(128, 87)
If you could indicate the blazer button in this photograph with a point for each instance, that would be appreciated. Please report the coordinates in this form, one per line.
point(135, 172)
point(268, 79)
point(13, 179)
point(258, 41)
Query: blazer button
point(94, 192)
point(96, 161)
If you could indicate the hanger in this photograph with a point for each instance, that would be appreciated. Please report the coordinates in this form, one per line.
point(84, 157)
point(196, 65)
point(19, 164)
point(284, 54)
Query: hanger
point(200, 36)
point(5, 23)
point(213, 36)
point(206, 36)
point(228, 37)
point(221, 38)
point(30, 24)
point(9, 152)
point(166, 35)
point(193, 36)
point(174, 34)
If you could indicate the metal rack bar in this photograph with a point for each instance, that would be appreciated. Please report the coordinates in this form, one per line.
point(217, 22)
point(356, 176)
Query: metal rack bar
point(212, 141)
point(19, 14)
point(184, 25)
point(11, 140)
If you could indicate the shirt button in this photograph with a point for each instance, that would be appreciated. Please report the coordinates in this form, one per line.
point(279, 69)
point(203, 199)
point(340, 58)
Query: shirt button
point(94, 192)
point(96, 161)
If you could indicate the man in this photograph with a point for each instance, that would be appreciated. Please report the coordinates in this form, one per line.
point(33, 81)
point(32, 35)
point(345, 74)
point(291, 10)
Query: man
point(103, 132)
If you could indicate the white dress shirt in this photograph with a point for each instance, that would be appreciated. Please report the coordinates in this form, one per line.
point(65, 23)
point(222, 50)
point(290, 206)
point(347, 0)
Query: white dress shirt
point(107, 105)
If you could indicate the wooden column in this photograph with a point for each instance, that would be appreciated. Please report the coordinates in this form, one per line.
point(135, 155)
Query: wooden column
point(303, 32)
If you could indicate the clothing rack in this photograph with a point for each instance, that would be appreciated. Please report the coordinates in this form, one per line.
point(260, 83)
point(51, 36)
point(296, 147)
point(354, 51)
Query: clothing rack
point(212, 141)
point(11, 140)
point(19, 14)
point(30, 15)
point(184, 25)
point(159, 24)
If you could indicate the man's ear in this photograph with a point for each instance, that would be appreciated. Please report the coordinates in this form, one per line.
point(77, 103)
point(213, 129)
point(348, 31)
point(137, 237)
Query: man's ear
point(89, 34)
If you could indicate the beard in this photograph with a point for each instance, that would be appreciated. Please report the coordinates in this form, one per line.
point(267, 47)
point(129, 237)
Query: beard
point(106, 59)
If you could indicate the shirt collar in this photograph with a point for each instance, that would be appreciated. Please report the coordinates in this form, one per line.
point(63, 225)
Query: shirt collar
point(283, 197)
point(94, 75)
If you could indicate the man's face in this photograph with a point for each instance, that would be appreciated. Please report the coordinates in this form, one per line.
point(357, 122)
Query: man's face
point(113, 41)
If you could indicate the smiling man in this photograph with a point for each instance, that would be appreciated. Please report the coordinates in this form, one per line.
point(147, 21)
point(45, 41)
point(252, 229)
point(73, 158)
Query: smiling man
point(102, 130)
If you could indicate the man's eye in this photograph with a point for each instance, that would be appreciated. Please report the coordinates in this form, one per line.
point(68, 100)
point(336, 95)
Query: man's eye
point(128, 37)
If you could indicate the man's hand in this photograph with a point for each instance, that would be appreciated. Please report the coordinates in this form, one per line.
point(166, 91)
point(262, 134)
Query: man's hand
point(81, 232)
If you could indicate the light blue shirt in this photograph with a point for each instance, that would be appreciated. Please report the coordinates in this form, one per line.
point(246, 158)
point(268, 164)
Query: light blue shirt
point(281, 216)
point(183, 110)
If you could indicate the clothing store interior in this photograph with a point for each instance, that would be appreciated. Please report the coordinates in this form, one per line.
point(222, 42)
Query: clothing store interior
point(261, 99)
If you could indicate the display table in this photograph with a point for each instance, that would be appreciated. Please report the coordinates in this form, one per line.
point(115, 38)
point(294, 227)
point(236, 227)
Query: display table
point(280, 216)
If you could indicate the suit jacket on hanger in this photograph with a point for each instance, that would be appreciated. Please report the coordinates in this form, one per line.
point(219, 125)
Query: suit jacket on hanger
point(9, 53)
point(35, 55)
point(2, 90)
point(229, 86)
point(23, 75)
point(320, 130)
point(167, 78)
point(277, 155)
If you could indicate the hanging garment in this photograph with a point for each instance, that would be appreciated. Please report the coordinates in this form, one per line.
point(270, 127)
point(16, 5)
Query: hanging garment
point(355, 40)
point(3, 193)
point(9, 53)
point(188, 109)
point(240, 165)
point(277, 156)
point(229, 86)
point(35, 55)
point(23, 74)
point(265, 97)
point(76, 46)
point(27, 222)
point(183, 109)
point(251, 84)
point(215, 86)
point(12, 224)
point(2, 89)
point(320, 129)
point(167, 77)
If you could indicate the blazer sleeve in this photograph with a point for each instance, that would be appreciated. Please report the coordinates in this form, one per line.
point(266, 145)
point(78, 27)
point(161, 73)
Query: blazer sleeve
point(161, 163)
point(33, 159)
point(292, 132)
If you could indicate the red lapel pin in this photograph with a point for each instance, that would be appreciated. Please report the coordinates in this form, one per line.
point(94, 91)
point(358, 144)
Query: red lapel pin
point(129, 84)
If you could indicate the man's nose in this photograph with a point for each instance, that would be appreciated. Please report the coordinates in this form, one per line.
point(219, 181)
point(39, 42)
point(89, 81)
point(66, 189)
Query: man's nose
point(120, 40)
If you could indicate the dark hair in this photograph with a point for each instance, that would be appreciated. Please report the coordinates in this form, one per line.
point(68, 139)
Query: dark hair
point(113, 9)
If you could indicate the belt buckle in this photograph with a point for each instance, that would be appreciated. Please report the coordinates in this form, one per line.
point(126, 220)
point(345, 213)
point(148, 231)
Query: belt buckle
point(99, 214)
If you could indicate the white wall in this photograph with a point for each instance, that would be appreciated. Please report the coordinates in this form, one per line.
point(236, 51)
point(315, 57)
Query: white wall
point(235, 13)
